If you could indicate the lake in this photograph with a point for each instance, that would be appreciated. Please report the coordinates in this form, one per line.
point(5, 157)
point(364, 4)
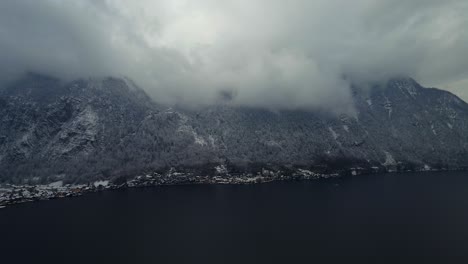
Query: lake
point(394, 218)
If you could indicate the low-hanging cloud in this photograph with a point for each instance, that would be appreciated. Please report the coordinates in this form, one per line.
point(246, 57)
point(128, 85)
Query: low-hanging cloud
point(268, 53)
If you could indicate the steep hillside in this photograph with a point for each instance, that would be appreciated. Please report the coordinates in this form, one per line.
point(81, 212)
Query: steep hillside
point(97, 129)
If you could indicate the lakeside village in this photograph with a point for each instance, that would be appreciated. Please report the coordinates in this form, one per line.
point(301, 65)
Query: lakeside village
point(15, 194)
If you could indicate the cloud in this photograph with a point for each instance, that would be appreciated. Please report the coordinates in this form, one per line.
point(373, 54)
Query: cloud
point(267, 53)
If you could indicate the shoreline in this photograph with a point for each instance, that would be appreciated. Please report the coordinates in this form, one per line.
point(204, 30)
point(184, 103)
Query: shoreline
point(18, 194)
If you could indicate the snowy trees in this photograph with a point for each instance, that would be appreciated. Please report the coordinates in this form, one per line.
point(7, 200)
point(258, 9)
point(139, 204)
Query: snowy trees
point(101, 129)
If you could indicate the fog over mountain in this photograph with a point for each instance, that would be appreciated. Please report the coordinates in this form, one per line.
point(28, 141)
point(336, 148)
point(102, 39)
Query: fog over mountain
point(268, 53)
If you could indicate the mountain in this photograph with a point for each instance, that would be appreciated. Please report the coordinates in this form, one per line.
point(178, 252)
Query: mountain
point(94, 129)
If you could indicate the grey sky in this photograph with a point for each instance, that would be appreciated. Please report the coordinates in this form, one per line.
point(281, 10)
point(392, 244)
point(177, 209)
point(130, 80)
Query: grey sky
point(270, 53)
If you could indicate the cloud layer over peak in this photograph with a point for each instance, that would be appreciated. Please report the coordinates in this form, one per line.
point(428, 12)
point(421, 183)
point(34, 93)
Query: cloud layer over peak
point(267, 53)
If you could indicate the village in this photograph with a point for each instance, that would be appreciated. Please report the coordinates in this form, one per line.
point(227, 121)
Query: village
point(16, 194)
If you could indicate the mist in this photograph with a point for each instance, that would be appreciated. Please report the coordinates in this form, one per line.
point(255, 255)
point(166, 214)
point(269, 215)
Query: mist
point(265, 53)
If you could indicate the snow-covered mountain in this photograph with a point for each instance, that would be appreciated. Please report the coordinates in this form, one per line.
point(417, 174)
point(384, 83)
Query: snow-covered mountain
point(93, 129)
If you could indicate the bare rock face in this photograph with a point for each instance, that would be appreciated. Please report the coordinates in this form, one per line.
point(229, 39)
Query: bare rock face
point(92, 129)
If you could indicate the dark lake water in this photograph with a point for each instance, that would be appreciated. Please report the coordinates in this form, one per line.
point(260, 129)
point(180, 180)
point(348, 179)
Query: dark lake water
point(393, 218)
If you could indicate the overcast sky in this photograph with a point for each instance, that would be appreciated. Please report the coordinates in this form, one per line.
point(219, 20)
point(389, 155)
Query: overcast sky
point(285, 54)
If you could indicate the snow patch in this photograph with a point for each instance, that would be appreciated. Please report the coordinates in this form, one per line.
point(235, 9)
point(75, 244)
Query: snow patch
point(90, 119)
point(211, 140)
point(346, 128)
point(185, 128)
point(221, 169)
point(389, 160)
point(56, 184)
point(101, 183)
point(272, 143)
point(389, 106)
point(408, 87)
point(433, 130)
point(334, 134)
point(198, 139)
point(78, 133)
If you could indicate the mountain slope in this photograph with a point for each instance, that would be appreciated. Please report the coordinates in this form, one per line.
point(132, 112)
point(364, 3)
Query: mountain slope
point(96, 129)
point(48, 127)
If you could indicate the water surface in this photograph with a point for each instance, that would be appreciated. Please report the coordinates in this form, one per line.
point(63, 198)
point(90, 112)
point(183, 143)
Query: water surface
point(394, 218)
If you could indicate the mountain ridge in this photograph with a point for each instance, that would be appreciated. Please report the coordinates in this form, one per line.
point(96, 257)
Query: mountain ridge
point(94, 129)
